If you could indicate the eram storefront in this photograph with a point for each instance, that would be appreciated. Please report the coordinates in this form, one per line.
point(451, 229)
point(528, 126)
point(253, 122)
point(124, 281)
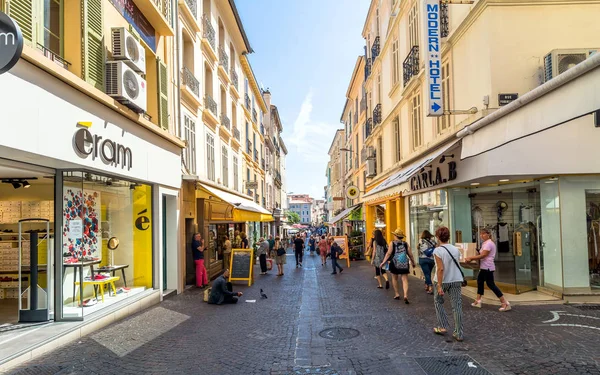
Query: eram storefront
point(529, 173)
point(88, 211)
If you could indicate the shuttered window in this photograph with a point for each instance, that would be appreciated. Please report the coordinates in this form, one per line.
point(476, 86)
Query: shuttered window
point(210, 157)
point(93, 43)
point(225, 165)
point(22, 12)
point(163, 95)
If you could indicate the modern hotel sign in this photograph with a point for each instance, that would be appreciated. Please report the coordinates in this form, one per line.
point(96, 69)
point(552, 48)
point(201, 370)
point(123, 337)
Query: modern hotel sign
point(433, 51)
point(11, 43)
point(110, 152)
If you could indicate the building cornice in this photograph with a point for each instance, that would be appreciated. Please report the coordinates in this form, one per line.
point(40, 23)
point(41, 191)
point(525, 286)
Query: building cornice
point(247, 68)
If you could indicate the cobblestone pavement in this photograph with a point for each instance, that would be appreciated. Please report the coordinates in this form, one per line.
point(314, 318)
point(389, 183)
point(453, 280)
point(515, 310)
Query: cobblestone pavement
point(294, 332)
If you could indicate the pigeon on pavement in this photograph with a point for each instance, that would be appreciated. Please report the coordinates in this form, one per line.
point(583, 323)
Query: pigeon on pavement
point(262, 294)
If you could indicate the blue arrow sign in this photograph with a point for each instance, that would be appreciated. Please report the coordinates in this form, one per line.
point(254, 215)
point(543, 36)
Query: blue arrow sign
point(436, 107)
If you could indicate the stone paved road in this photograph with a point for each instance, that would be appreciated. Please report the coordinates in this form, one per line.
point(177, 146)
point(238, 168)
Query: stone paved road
point(280, 335)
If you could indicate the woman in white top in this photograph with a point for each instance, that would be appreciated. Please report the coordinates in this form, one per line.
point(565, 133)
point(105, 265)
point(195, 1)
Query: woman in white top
point(448, 279)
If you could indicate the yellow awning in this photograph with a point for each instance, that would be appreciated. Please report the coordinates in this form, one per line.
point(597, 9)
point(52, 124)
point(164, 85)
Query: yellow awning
point(243, 209)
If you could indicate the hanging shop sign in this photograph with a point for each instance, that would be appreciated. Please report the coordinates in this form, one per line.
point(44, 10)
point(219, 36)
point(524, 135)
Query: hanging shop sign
point(251, 185)
point(434, 176)
point(110, 152)
point(433, 64)
point(11, 43)
point(504, 99)
point(352, 192)
point(134, 16)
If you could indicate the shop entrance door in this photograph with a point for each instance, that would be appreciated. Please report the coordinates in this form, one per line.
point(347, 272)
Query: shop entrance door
point(164, 241)
point(526, 204)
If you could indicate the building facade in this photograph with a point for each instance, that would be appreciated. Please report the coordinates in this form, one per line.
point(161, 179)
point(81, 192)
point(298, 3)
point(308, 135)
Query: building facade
point(302, 204)
point(336, 168)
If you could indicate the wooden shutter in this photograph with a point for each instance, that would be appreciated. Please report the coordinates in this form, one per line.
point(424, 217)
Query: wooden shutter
point(22, 12)
point(93, 43)
point(163, 95)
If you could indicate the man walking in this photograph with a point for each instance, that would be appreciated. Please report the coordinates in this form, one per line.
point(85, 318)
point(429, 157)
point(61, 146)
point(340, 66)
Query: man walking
point(298, 250)
point(336, 250)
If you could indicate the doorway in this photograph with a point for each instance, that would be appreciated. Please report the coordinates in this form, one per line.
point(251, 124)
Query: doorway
point(190, 267)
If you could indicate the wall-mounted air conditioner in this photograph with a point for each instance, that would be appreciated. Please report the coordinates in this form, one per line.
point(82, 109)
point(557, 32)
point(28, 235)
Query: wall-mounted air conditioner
point(371, 168)
point(125, 47)
point(125, 85)
point(559, 61)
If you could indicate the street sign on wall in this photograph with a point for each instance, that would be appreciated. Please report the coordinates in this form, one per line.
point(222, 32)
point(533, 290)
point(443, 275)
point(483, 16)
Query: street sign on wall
point(433, 57)
point(504, 99)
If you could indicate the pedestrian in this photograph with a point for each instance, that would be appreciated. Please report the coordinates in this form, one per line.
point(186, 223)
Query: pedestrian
point(227, 251)
point(222, 291)
point(486, 270)
point(369, 252)
point(323, 250)
point(379, 250)
point(237, 239)
point(198, 252)
point(281, 257)
point(244, 241)
point(263, 249)
point(448, 279)
point(298, 250)
point(312, 243)
point(271, 246)
point(426, 247)
point(398, 255)
point(335, 251)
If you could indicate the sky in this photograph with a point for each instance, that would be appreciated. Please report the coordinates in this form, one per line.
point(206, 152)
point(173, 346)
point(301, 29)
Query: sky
point(304, 53)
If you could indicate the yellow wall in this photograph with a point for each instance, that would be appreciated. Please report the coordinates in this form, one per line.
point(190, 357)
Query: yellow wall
point(142, 236)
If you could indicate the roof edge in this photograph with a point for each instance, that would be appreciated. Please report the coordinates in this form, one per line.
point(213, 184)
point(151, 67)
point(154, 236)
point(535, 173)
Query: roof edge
point(238, 20)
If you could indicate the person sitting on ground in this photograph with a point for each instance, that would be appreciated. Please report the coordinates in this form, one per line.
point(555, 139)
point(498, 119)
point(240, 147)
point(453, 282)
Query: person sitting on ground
point(222, 291)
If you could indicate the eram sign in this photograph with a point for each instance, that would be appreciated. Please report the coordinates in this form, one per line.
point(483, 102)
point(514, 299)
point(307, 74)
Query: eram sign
point(11, 43)
point(433, 66)
point(110, 152)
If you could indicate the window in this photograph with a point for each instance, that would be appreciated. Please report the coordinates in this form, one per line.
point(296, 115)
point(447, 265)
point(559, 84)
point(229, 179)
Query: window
point(189, 156)
point(53, 18)
point(397, 154)
point(236, 177)
point(379, 155)
point(379, 88)
point(417, 125)
point(395, 62)
point(356, 148)
point(225, 166)
point(377, 21)
point(247, 132)
point(210, 157)
point(443, 122)
point(413, 25)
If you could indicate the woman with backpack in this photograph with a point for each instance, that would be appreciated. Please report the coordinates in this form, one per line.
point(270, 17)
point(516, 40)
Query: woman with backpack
point(399, 255)
point(426, 248)
point(379, 249)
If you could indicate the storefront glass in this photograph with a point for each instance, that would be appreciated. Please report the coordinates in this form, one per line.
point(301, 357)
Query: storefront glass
point(106, 240)
point(428, 211)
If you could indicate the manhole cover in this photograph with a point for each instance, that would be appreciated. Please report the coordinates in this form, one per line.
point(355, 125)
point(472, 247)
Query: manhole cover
point(458, 364)
point(39, 370)
point(339, 333)
point(587, 307)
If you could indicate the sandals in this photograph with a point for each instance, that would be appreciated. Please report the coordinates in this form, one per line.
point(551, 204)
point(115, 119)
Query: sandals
point(397, 297)
point(387, 284)
point(457, 338)
point(406, 300)
point(505, 307)
point(439, 331)
point(379, 287)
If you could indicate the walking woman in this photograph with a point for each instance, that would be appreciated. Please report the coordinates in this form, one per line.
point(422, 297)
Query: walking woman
point(280, 259)
point(448, 280)
point(323, 250)
point(486, 270)
point(398, 255)
point(426, 248)
point(379, 249)
point(244, 241)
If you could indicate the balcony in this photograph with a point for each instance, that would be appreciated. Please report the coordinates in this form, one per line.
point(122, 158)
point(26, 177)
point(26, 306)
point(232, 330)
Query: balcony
point(193, 5)
point(367, 68)
point(157, 12)
point(190, 81)
point(262, 129)
point(411, 65)
point(254, 116)
point(248, 147)
point(223, 59)
point(236, 133)
point(445, 24)
point(234, 80)
point(247, 101)
point(256, 156)
point(208, 35)
point(369, 127)
point(210, 103)
point(54, 57)
point(262, 164)
point(375, 49)
point(225, 121)
point(377, 115)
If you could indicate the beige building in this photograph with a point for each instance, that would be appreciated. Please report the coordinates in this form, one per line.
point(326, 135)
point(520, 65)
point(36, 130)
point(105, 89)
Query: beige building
point(336, 169)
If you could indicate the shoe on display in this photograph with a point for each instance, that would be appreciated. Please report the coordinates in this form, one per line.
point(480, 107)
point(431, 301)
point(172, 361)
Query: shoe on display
point(89, 302)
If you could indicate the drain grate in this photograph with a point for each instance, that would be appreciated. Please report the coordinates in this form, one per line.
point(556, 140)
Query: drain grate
point(587, 307)
point(314, 371)
point(39, 370)
point(450, 365)
point(339, 333)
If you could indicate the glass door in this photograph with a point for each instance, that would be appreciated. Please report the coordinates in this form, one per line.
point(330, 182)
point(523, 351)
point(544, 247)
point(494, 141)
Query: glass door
point(164, 241)
point(526, 211)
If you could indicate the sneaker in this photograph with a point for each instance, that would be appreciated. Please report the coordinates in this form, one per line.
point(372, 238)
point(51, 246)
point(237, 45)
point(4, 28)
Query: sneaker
point(334, 273)
point(341, 270)
point(505, 308)
point(476, 304)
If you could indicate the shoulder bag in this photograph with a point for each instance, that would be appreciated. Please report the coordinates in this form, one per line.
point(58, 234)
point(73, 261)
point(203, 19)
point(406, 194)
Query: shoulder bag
point(429, 251)
point(464, 282)
point(281, 250)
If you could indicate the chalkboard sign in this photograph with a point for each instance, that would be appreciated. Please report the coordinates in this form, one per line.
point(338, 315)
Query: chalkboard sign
point(342, 241)
point(241, 265)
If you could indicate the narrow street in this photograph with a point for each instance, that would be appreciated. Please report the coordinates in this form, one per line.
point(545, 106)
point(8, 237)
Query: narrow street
point(316, 323)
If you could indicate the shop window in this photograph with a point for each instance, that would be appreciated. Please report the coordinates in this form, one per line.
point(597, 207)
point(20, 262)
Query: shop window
point(428, 211)
point(107, 239)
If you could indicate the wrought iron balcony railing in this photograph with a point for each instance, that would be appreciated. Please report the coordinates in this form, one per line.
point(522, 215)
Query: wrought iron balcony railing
point(53, 56)
point(234, 78)
point(254, 115)
point(209, 31)
point(369, 127)
point(193, 5)
point(377, 115)
point(262, 164)
point(367, 68)
point(256, 155)
point(225, 121)
point(247, 100)
point(411, 65)
point(375, 49)
point(262, 129)
point(236, 133)
point(445, 24)
point(223, 58)
point(190, 81)
point(210, 103)
point(248, 147)
point(164, 6)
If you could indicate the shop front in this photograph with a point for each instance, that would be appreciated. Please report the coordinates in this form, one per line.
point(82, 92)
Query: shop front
point(85, 202)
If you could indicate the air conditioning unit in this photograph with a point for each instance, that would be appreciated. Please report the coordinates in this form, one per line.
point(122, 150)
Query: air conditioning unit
point(559, 61)
point(125, 47)
point(371, 168)
point(125, 85)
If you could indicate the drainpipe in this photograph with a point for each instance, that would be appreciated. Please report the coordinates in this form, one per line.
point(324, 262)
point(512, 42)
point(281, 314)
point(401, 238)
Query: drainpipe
point(178, 67)
point(592, 63)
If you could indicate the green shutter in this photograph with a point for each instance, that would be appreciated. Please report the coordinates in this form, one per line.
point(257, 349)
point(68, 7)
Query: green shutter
point(163, 95)
point(22, 12)
point(93, 46)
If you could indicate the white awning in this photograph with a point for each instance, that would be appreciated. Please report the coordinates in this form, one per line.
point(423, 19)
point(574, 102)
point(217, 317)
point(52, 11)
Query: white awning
point(395, 180)
point(343, 214)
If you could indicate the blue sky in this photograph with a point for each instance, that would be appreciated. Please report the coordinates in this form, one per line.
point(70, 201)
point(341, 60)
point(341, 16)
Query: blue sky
point(304, 52)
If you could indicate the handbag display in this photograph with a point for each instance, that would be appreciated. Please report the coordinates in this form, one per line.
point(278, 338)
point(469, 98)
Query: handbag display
point(464, 282)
